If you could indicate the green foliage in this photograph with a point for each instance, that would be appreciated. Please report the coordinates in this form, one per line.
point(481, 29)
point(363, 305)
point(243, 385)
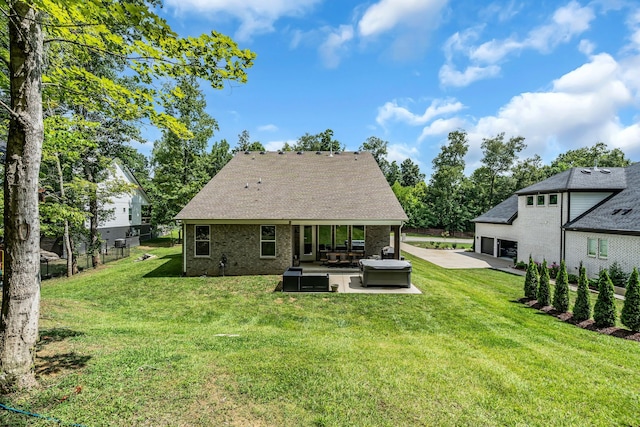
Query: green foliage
point(561, 291)
point(245, 144)
point(618, 276)
point(378, 148)
point(181, 166)
point(444, 197)
point(410, 175)
point(322, 141)
point(531, 280)
point(582, 306)
point(498, 158)
point(630, 315)
point(588, 157)
point(544, 291)
point(604, 311)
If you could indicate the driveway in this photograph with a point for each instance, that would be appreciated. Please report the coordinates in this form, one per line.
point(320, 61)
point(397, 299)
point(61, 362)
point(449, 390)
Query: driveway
point(458, 258)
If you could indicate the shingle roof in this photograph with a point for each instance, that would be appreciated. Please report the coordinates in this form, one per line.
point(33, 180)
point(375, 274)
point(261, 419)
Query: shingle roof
point(503, 213)
point(619, 214)
point(291, 186)
point(577, 179)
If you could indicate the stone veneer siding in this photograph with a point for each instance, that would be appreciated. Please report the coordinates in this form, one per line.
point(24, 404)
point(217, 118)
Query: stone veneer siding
point(241, 245)
point(376, 238)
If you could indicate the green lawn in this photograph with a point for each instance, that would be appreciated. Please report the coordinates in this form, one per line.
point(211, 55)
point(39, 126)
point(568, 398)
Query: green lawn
point(149, 348)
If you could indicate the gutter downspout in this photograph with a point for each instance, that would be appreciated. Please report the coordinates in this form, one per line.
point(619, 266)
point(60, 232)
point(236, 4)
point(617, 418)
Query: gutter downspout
point(184, 248)
point(563, 236)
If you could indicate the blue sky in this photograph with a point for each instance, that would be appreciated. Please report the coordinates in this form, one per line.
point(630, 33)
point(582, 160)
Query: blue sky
point(563, 74)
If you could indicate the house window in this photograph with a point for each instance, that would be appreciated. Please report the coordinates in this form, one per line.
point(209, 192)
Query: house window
point(599, 247)
point(553, 199)
point(267, 241)
point(202, 240)
point(541, 200)
point(357, 237)
point(603, 248)
point(130, 214)
point(529, 200)
point(342, 237)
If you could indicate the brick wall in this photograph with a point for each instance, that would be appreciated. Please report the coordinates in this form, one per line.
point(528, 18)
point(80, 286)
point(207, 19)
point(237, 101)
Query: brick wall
point(241, 246)
point(623, 249)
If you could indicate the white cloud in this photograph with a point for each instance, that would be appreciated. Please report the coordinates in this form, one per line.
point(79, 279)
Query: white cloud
point(277, 145)
point(389, 14)
point(255, 16)
point(335, 45)
point(268, 128)
point(442, 127)
point(449, 76)
point(567, 22)
point(391, 111)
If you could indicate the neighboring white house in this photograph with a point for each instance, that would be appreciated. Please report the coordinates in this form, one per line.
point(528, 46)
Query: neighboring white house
point(126, 219)
point(589, 215)
point(125, 222)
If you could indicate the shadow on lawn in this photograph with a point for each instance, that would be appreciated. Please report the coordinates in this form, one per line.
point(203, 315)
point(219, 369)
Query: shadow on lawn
point(47, 364)
point(170, 268)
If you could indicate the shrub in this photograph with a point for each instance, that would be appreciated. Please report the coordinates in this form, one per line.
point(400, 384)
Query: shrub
point(582, 307)
point(521, 265)
point(553, 270)
point(630, 316)
point(604, 311)
point(617, 275)
point(544, 290)
point(454, 245)
point(561, 293)
point(531, 280)
point(572, 278)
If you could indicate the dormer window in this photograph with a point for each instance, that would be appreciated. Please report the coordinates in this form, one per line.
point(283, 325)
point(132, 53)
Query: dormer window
point(553, 199)
point(541, 200)
point(529, 200)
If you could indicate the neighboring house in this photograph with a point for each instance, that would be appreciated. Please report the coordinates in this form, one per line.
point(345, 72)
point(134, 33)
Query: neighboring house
point(127, 219)
point(265, 210)
point(589, 215)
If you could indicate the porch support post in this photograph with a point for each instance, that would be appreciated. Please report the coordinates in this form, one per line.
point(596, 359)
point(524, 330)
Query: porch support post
point(396, 241)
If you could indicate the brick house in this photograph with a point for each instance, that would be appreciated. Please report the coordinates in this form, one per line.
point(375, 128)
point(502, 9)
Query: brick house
point(589, 215)
point(264, 210)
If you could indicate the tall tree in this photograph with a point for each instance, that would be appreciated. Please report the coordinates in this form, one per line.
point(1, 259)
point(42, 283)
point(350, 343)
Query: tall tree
point(410, 174)
point(322, 141)
point(181, 165)
point(498, 158)
point(245, 144)
point(587, 157)
point(444, 197)
point(378, 148)
point(129, 30)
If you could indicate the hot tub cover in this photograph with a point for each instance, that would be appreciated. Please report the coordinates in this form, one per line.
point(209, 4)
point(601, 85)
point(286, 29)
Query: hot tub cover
point(385, 264)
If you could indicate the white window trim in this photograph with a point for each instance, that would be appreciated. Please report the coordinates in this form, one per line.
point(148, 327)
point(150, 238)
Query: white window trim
point(195, 241)
point(595, 254)
point(598, 253)
point(544, 196)
point(275, 240)
point(526, 201)
point(557, 198)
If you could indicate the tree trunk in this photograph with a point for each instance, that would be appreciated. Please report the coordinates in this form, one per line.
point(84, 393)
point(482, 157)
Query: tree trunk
point(21, 291)
point(65, 237)
point(94, 238)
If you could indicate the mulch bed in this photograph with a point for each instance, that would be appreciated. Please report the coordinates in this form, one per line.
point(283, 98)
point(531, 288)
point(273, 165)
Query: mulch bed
point(590, 324)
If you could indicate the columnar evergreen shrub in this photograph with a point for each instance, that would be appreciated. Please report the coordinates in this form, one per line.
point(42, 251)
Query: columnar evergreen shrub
point(544, 290)
point(630, 316)
point(582, 307)
point(561, 293)
point(604, 312)
point(531, 280)
point(617, 275)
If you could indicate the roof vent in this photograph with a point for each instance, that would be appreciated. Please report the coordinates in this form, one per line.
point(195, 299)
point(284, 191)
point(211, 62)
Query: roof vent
point(356, 152)
point(626, 211)
point(586, 171)
point(318, 152)
point(247, 152)
point(299, 153)
point(262, 152)
point(604, 171)
point(615, 211)
point(280, 152)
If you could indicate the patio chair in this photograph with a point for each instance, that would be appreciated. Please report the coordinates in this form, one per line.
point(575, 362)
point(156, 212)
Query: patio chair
point(332, 259)
point(344, 259)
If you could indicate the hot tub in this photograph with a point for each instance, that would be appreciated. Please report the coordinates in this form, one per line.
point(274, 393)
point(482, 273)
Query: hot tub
point(385, 272)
